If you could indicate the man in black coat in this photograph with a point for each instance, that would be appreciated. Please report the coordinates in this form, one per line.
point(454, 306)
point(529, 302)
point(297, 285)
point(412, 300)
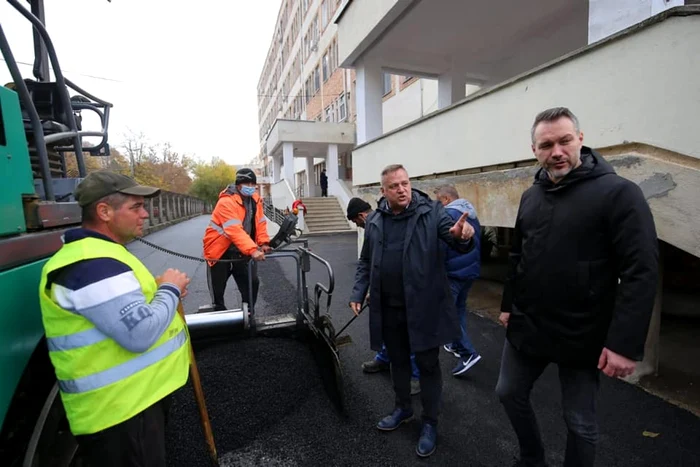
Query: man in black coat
point(402, 265)
point(581, 285)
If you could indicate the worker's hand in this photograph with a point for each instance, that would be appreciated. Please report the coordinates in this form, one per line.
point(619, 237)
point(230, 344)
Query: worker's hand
point(615, 365)
point(258, 255)
point(266, 248)
point(175, 277)
point(503, 319)
point(356, 307)
point(462, 230)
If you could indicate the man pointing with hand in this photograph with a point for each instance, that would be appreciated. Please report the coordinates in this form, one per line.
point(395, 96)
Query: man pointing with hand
point(402, 266)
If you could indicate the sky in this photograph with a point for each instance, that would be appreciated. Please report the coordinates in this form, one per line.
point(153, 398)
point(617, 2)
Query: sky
point(179, 72)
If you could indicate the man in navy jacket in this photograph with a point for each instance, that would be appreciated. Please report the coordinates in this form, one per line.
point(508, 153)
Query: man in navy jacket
point(462, 270)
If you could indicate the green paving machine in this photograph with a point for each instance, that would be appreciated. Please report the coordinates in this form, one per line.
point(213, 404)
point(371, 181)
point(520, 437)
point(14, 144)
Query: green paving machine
point(41, 128)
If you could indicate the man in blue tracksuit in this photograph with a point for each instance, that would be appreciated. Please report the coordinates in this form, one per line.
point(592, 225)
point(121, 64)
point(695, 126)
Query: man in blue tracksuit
point(462, 271)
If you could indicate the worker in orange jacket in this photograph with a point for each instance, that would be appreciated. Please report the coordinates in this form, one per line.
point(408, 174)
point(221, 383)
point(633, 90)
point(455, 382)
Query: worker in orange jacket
point(237, 230)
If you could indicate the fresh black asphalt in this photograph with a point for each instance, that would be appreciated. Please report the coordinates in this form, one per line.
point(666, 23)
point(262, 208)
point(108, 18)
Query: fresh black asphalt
point(268, 407)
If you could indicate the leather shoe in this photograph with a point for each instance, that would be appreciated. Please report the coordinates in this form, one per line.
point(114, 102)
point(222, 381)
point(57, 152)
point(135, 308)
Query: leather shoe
point(393, 421)
point(426, 442)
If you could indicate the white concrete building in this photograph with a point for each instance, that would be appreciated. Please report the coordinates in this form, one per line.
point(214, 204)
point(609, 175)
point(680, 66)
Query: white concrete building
point(627, 68)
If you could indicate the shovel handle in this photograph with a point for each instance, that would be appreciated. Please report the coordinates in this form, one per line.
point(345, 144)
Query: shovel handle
point(199, 397)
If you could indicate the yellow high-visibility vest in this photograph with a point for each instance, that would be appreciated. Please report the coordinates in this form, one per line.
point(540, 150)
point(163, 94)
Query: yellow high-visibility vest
point(101, 383)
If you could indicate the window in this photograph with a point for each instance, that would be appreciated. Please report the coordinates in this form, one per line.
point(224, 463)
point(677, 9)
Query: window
point(407, 78)
point(317, 79)
point(342, 111)
point(326, 69)
point(324, 14)
point(387, 83)
point(329, 117)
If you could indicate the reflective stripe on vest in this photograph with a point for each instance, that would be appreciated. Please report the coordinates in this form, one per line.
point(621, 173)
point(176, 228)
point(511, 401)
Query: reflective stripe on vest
point(116, 373)
point(101, 383)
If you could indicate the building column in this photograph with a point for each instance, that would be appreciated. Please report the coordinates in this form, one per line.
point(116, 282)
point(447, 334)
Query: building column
point(368, 99)
point(451, 88)
point(650, 364)
point(288, 160)
point(332, 166)
point(276, 172)
point(310, 178)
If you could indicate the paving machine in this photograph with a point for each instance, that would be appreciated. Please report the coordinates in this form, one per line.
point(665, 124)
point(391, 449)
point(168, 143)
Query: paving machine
point(41, 127)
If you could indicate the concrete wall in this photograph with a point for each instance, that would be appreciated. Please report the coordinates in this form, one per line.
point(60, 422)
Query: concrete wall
point(606, 17)
point(637, 88)
point(360, 20)
point(311, 132)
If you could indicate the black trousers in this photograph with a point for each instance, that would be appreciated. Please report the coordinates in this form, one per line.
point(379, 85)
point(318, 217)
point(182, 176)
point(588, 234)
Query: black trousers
point(217, 277)
point(579, 387)
point(136, 442)
point(324, 191)
point(396, 340)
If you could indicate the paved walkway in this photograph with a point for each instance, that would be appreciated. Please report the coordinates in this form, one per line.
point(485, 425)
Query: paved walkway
point(268, 407)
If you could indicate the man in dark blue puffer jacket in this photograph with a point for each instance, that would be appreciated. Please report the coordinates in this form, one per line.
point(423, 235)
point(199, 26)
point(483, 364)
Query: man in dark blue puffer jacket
point(462, 270)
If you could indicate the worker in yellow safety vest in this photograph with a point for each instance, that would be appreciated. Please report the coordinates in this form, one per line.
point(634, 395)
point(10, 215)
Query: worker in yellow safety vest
point(117, 344)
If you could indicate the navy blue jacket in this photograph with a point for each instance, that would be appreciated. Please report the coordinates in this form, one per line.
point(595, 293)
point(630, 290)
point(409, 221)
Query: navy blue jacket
point(430, 308)
point(464, 266)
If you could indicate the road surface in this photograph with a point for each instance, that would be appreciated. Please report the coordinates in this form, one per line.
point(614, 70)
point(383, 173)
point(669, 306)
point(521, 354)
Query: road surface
point(268, 407)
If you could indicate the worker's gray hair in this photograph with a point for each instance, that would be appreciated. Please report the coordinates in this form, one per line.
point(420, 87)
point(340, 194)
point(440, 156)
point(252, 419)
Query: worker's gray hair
point(448, 191)
point(390, 169)
point(552, 115)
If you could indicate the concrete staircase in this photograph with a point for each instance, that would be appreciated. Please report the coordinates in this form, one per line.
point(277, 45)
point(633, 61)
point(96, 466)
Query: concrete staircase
point(325, 215)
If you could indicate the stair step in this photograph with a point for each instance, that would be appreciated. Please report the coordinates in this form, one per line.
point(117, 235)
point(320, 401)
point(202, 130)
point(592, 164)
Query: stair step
point(324, 216)
point(328, 227)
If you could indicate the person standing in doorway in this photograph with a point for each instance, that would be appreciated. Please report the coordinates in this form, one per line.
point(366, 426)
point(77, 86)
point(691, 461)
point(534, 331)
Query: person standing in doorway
point(411, 308)
point(580, 289)
point(237, 230)
point(324, 183)
point(462, 271)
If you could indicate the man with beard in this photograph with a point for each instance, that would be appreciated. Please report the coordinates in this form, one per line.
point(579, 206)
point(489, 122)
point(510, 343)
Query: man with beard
point(581, 285)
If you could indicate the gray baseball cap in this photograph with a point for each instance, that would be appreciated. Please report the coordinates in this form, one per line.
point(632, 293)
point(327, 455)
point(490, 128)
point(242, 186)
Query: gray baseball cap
point(103, 183)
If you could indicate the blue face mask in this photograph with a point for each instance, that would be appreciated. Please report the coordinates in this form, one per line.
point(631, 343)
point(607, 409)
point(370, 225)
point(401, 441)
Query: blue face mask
point(247, 190)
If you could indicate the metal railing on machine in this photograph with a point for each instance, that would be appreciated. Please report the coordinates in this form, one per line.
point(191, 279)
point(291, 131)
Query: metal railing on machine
point(272, 213)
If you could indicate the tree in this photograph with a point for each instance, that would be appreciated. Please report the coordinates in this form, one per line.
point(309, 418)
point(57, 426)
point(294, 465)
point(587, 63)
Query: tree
point(211, 178)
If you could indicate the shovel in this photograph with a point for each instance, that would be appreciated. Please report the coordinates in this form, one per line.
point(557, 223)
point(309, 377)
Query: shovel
point(346, 339)
point(199, 397)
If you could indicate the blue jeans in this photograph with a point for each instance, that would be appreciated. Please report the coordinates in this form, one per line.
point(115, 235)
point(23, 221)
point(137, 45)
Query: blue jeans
point(383, 356)
point(460, 290)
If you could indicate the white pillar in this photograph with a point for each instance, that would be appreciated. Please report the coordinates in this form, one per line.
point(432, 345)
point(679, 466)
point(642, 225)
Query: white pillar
point(288, 158)
point(332, 166)
point(451, 88)
point(368, 98)
point(276, 174)
point(310, 179)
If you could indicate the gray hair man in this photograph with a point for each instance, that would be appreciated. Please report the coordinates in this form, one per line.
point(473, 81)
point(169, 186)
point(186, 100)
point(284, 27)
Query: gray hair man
point(402, 266)
point(581, 285)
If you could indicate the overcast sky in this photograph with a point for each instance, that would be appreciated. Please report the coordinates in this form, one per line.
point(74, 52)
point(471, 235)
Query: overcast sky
point(182, 72)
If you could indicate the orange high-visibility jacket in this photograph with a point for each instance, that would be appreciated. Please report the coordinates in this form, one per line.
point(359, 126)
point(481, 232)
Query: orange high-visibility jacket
point(226, 226)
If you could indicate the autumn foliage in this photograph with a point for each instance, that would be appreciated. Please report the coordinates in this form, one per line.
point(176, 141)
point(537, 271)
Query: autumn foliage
point(159, 165)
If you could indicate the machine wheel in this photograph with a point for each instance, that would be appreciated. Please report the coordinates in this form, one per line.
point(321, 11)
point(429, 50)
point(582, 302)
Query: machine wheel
point(51, 442)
